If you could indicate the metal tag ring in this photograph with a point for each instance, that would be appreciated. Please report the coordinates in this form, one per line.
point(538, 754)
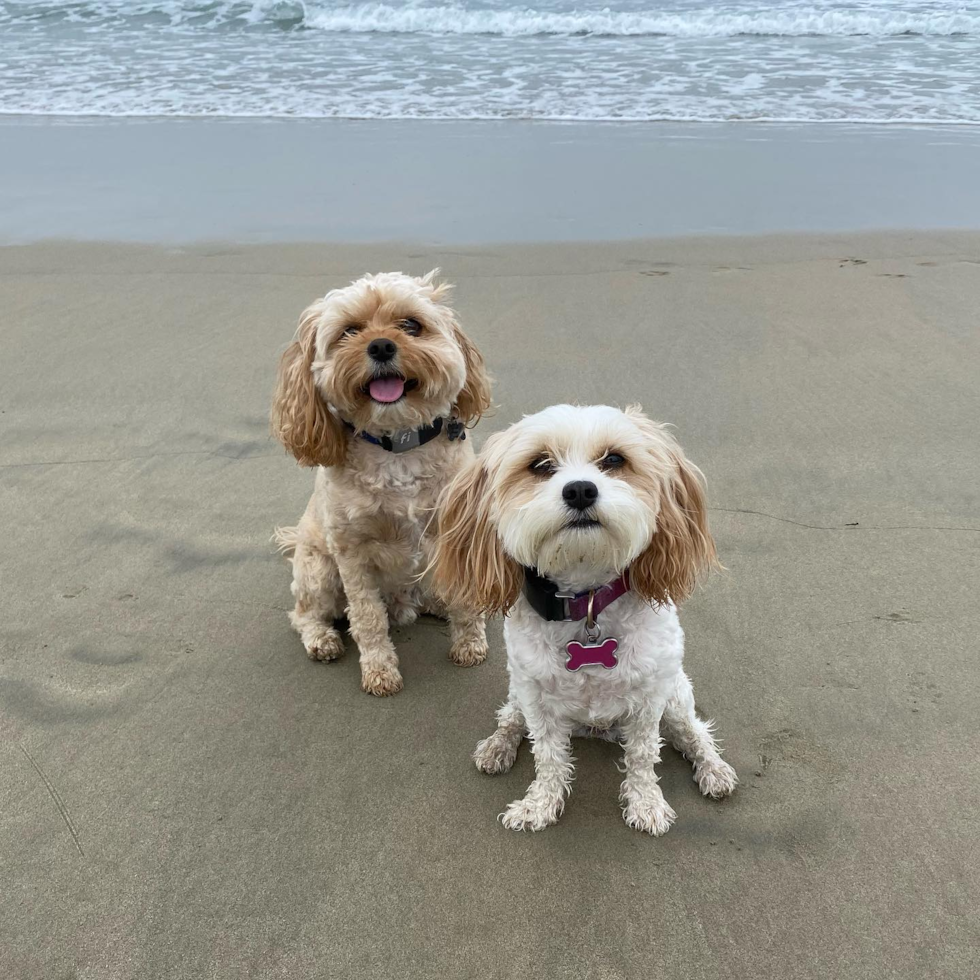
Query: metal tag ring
point(591, 630)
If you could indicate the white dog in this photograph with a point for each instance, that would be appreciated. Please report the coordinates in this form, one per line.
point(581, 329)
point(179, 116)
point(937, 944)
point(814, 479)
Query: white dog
point(375, 390)
point(572, 508)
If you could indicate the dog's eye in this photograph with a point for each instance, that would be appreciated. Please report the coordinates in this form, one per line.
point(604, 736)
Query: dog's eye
point(611, 461)
point(542, 466)
point(411, 326)
point(351, 329)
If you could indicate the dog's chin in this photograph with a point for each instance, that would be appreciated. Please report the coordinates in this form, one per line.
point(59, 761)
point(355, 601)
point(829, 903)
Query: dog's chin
point(582, 550)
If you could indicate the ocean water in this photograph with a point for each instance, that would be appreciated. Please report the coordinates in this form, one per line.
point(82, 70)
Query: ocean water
point(890, 61)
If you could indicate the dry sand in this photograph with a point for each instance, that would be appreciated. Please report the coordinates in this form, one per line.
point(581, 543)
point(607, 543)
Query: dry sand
point(184, 794)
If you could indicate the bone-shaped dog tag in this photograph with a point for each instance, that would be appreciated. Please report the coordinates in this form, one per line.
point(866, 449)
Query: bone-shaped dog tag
point(592, 654)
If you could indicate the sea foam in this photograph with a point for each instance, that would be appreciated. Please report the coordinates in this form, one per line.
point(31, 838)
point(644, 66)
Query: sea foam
point(894, 62)
point(457, 19)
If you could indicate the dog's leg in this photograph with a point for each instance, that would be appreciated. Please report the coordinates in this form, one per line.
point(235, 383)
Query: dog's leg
point(468, 629)
point(692, 736)
point(368, 617)
point(319, 597)
point(498, 752)
point(551, 738)
point(469, 637)
point(644, 806)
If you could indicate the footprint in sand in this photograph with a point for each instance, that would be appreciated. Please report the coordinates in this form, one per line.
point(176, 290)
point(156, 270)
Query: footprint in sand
point(655, 272)
point(922, 692)
point(790, 748)
point(852, 261)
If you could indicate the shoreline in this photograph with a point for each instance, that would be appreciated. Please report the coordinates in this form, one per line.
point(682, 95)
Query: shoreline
point(153, 179)
point(510, 258)
point(844, 122)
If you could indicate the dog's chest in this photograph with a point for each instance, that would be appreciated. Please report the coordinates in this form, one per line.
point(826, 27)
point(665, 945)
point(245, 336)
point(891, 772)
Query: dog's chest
point(381, 502)
point(649, 657)
point(402, 483)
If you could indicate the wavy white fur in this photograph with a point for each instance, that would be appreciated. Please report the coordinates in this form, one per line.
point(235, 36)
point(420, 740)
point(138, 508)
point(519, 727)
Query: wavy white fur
point(651, 518)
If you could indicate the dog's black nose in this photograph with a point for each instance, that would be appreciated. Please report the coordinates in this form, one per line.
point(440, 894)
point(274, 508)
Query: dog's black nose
point(580, 494)
point(382, 350)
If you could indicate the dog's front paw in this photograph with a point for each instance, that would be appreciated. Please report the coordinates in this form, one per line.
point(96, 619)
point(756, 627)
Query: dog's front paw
point(323, 643)
point(651, 816)
point(529, 814)
point(495, 754)
point(716, 779)
point(469, 653)
point(381, 681)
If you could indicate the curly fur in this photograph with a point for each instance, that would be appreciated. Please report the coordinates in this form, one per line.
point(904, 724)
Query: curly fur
point(501, 515)
point(362, 543)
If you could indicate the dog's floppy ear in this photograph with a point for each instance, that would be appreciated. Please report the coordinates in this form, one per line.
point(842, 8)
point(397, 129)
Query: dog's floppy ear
point(301, 420)
point(469, 567)
point(474, 399)
point(682, 548)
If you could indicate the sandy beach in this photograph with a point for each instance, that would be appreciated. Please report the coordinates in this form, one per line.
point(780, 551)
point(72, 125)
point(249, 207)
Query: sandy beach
point(184, 794)
point(761, 223)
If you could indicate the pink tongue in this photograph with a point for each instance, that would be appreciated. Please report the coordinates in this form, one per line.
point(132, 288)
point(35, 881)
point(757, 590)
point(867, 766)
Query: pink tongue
point(387, 389)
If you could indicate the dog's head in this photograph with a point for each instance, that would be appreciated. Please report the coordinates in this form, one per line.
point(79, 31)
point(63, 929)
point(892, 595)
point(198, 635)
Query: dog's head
point(580, 494)
point(384, 353)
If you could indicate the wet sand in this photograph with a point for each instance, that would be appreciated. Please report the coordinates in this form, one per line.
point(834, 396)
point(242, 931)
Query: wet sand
point(184, 794)
point(342, 181)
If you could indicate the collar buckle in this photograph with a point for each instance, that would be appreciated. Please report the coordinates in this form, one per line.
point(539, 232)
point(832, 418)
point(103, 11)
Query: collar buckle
point(591, 629)
point(565, 598)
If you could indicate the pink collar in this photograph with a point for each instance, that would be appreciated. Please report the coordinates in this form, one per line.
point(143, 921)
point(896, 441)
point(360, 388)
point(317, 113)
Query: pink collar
point(570, 607)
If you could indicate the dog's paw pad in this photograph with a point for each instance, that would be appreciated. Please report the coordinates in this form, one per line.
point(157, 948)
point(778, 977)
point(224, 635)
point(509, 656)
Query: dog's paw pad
point(525, 815)
point(716, 779)
point(651, 817)
point(494, 755)
point(381, 681)
point(469, 654)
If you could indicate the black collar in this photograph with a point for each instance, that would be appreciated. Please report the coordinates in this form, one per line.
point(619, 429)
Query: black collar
point(405, 439)
point(565, 607)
